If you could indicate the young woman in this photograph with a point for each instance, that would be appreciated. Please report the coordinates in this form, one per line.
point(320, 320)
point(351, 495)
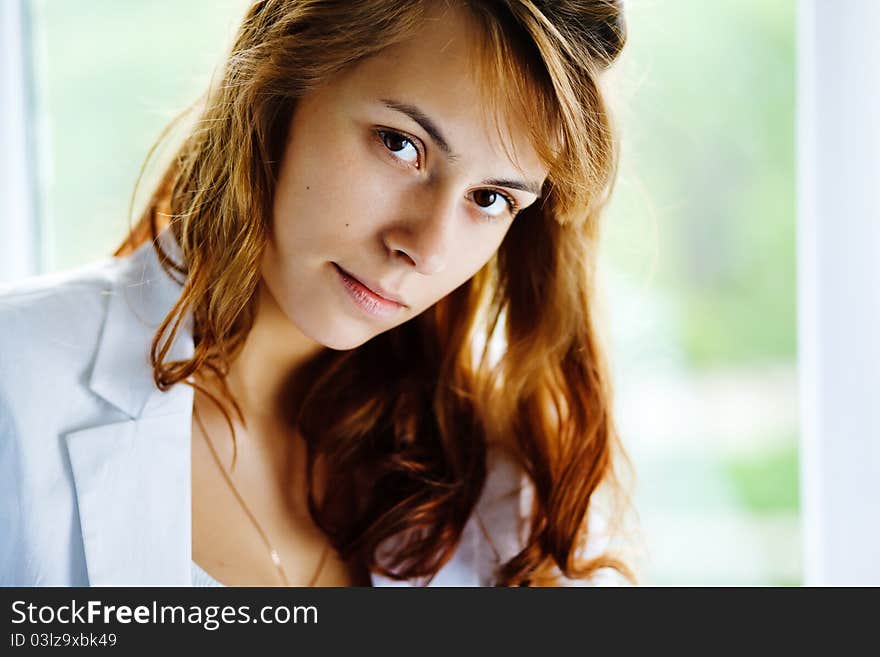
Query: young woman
point(286, 374)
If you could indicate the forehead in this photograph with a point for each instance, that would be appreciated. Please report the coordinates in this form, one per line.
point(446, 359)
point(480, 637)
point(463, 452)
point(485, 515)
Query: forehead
point(437, 72)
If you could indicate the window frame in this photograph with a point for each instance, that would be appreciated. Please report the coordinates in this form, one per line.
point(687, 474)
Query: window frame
point(838, 164)
point(19, 224)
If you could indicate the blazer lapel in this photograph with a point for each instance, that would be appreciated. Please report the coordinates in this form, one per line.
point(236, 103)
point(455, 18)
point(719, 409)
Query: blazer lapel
point(140, 298)
point(133, 493)
point(132, 472)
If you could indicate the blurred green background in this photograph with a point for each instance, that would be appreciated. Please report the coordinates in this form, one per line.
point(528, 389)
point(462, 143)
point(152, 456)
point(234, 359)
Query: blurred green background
point(698, 252)
point(700, 263)
point(114, 74)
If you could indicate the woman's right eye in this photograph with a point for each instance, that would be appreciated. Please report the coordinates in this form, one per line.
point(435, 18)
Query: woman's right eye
point(401, 146)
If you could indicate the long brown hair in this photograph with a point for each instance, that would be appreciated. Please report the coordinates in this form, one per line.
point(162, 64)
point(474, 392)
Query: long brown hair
point(402, 424)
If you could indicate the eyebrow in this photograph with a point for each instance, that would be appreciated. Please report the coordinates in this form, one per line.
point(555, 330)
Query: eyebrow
point(429, 126)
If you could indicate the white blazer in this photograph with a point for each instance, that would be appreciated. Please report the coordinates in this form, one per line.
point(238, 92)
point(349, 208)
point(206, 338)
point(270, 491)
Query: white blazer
point(95, 481)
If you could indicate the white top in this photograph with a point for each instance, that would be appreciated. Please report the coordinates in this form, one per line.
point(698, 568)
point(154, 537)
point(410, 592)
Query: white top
point(202, 578)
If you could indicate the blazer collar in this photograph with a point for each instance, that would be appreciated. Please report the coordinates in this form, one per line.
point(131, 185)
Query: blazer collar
point(141, 296)
point(132, 472)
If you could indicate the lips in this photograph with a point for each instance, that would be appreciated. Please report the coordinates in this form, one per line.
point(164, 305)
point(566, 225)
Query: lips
point(371, 287)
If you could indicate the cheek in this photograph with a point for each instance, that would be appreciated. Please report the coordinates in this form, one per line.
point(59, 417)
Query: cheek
point(480, 246)
point(334, 196)
point(462, 266)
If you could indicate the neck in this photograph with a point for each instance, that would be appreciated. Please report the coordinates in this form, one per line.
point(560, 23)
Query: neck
point(273, 348)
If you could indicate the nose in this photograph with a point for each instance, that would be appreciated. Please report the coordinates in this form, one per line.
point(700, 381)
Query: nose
point(425, 237)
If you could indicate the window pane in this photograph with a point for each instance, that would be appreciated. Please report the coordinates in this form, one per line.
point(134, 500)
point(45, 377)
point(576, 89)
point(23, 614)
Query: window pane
point(113, 74)
point(700, 246)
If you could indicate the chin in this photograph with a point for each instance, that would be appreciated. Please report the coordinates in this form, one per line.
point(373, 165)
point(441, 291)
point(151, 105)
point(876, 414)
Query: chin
point(340, 334)
point(343, 343)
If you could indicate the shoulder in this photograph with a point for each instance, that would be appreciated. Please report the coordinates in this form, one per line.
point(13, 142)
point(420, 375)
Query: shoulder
point(52, 306)
point(62, 314)
point(84, 335)
point(49, 330)
point(50, 319)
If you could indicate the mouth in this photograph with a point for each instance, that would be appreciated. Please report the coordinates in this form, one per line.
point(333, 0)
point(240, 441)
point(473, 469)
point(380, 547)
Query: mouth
point(373, 301)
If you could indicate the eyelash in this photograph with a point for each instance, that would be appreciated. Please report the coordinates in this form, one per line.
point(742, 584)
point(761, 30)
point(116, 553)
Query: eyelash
point(381, 133)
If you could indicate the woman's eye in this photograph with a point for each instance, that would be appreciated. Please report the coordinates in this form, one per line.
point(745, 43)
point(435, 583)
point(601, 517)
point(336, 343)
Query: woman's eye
point(494, 203)
point(402, 147)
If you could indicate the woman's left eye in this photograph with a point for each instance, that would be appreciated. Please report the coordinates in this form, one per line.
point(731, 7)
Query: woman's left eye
point(495, 203)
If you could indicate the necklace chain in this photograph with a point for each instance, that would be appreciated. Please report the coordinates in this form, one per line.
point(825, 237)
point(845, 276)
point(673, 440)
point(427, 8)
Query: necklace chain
point(273, 553)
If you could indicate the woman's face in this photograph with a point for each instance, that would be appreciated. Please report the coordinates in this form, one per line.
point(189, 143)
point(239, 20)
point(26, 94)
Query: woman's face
point(392, 185)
